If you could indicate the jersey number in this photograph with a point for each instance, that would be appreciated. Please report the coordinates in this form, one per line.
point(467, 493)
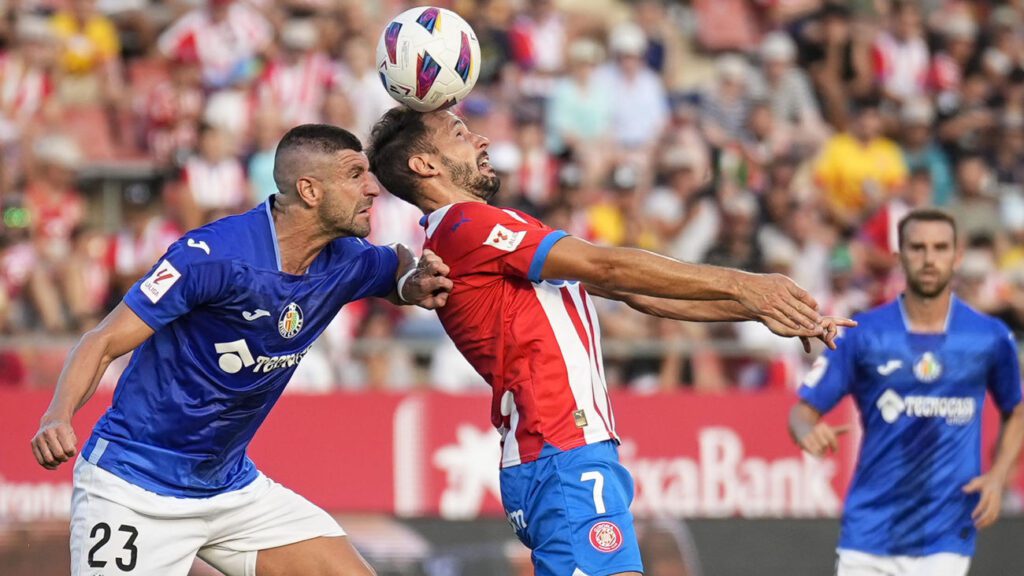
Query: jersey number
point(598, 479)
point(102, 530)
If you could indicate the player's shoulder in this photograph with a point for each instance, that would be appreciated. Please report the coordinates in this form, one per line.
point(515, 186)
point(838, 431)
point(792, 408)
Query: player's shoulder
point(967, 316)
point(229, 239)
point(885, 316)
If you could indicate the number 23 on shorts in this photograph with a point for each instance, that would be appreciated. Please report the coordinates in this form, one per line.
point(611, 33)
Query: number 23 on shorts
point(102, 550)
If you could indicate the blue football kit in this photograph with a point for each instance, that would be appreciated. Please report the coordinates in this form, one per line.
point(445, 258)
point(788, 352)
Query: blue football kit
point(229, 331)
point(920, 398)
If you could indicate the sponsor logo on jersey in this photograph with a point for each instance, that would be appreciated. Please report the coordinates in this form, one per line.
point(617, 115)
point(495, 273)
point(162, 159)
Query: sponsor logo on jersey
point(290, 322)
point(928, 368)
point(606, 537)
point(956, 411)
point(890, 367)
point(236, 355)
point(201, 244)
point(255, 314)
point(160, 281)
point(504, 239)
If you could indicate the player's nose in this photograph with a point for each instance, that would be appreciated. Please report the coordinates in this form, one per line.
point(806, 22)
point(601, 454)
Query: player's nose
point(481, 141)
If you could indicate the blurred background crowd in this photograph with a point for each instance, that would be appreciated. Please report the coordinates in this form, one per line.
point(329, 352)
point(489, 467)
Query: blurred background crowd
point(771, 135)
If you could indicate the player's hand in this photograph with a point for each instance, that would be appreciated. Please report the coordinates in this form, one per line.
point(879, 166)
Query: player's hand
point(55, 442)
point(429, 286)
point(990, 487)
point(823, 439)
point(777, 299)
point(826, 331)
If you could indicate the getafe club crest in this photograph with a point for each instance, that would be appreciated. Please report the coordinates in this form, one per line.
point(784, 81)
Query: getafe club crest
point(928, 368)
point(290, 321)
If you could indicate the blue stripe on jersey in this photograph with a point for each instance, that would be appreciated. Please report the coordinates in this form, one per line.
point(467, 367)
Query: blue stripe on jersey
point(541, 255)
point(229, 331)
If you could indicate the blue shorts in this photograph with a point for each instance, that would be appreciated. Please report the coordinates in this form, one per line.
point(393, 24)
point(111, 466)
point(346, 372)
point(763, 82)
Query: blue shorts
point(572, 510)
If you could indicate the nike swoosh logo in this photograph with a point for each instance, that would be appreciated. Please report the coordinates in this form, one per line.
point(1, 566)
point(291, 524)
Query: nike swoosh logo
point(257, 314)
point(890, 367)
point(201, 244)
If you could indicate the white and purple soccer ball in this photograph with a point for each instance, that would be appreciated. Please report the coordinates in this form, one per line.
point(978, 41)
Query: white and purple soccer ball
point(428, 58)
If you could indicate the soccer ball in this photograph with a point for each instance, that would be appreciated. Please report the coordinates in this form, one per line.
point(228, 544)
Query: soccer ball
point(428, 58)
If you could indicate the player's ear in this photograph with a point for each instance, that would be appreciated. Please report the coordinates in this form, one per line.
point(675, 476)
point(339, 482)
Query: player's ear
point(424, 165)
point(308, 191)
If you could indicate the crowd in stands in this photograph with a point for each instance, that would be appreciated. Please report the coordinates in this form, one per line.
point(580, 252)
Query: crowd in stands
point(772, 135)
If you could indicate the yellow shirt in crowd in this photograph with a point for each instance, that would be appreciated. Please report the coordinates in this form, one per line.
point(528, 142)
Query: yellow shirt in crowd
point(846, 166)
point(85, 47)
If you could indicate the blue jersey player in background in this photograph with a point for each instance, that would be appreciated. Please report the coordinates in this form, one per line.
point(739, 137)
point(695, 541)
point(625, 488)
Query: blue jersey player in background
point(918, 369)
point(218, 327)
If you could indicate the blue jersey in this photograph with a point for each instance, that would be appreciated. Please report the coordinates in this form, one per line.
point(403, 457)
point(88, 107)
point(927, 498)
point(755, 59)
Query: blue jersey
point(920, 398)
point(229, 330)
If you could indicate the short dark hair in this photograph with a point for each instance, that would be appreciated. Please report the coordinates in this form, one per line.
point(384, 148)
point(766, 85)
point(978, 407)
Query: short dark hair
point(399, 134)
point(312, 138)
point(924, 215)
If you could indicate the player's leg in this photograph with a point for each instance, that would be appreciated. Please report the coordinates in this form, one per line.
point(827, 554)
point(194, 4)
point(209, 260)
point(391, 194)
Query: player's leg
point(274, 531)
point(572, 510)
point(942, 564)
point(112, 538)
point(854, 563)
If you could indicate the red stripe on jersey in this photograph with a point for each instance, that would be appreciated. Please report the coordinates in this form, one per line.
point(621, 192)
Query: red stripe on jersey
point(588, 345)
point(590, 324)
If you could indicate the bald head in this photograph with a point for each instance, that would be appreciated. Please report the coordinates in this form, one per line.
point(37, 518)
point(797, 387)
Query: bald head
point(308, 150)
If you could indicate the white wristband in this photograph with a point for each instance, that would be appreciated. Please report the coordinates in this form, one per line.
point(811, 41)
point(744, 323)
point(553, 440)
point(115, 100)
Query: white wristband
point(401, 283)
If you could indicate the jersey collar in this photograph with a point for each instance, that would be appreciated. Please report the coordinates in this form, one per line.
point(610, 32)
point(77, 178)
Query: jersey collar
point(269, 204)
point(906, 321)
point(433, 220)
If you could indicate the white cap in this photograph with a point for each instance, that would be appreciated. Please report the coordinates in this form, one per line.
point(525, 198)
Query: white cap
point(731, 67)
point(679, 158)
point(778, 47)
point(628, 39)
point(917, 111)
point(299, 34)
point(960, 26)
point(585, 51)
point(58, 150)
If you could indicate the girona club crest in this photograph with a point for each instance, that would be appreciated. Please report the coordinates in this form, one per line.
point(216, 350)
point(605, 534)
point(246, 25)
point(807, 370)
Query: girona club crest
point(606, 537)
point(290, 321)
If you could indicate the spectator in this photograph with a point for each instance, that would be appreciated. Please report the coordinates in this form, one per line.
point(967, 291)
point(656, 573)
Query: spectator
point(788, 89)
point(226, 36)
point(172, 110)
point(579, 111)
point(90, 49)
point(359, 82)
point(295, 81)
point(859, 168)
point(900, 55)
point(725, 110)
point(212, 181)
point(975, 208)
point(142, 240)
point(922, 152)
point(26, 87)
point(683, 213)
point(639, 103)
point(55, 208)
point(267, 131)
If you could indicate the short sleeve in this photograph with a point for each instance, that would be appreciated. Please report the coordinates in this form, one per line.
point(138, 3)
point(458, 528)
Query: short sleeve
point(183, 279)
point(829, 379)
point(485, 239)
point(1004, 374)
point(376, 269)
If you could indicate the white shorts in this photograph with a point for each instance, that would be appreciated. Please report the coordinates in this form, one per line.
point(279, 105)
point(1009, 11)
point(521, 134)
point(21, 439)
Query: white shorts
point(119, 528)
point(854, 563)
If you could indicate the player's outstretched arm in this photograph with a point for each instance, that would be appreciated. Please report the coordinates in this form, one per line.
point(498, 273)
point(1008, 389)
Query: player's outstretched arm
point(422, 282)
point(812, 434)
point(990, 485)
point(766, 296)
point(723, 311)
point(120, 332)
